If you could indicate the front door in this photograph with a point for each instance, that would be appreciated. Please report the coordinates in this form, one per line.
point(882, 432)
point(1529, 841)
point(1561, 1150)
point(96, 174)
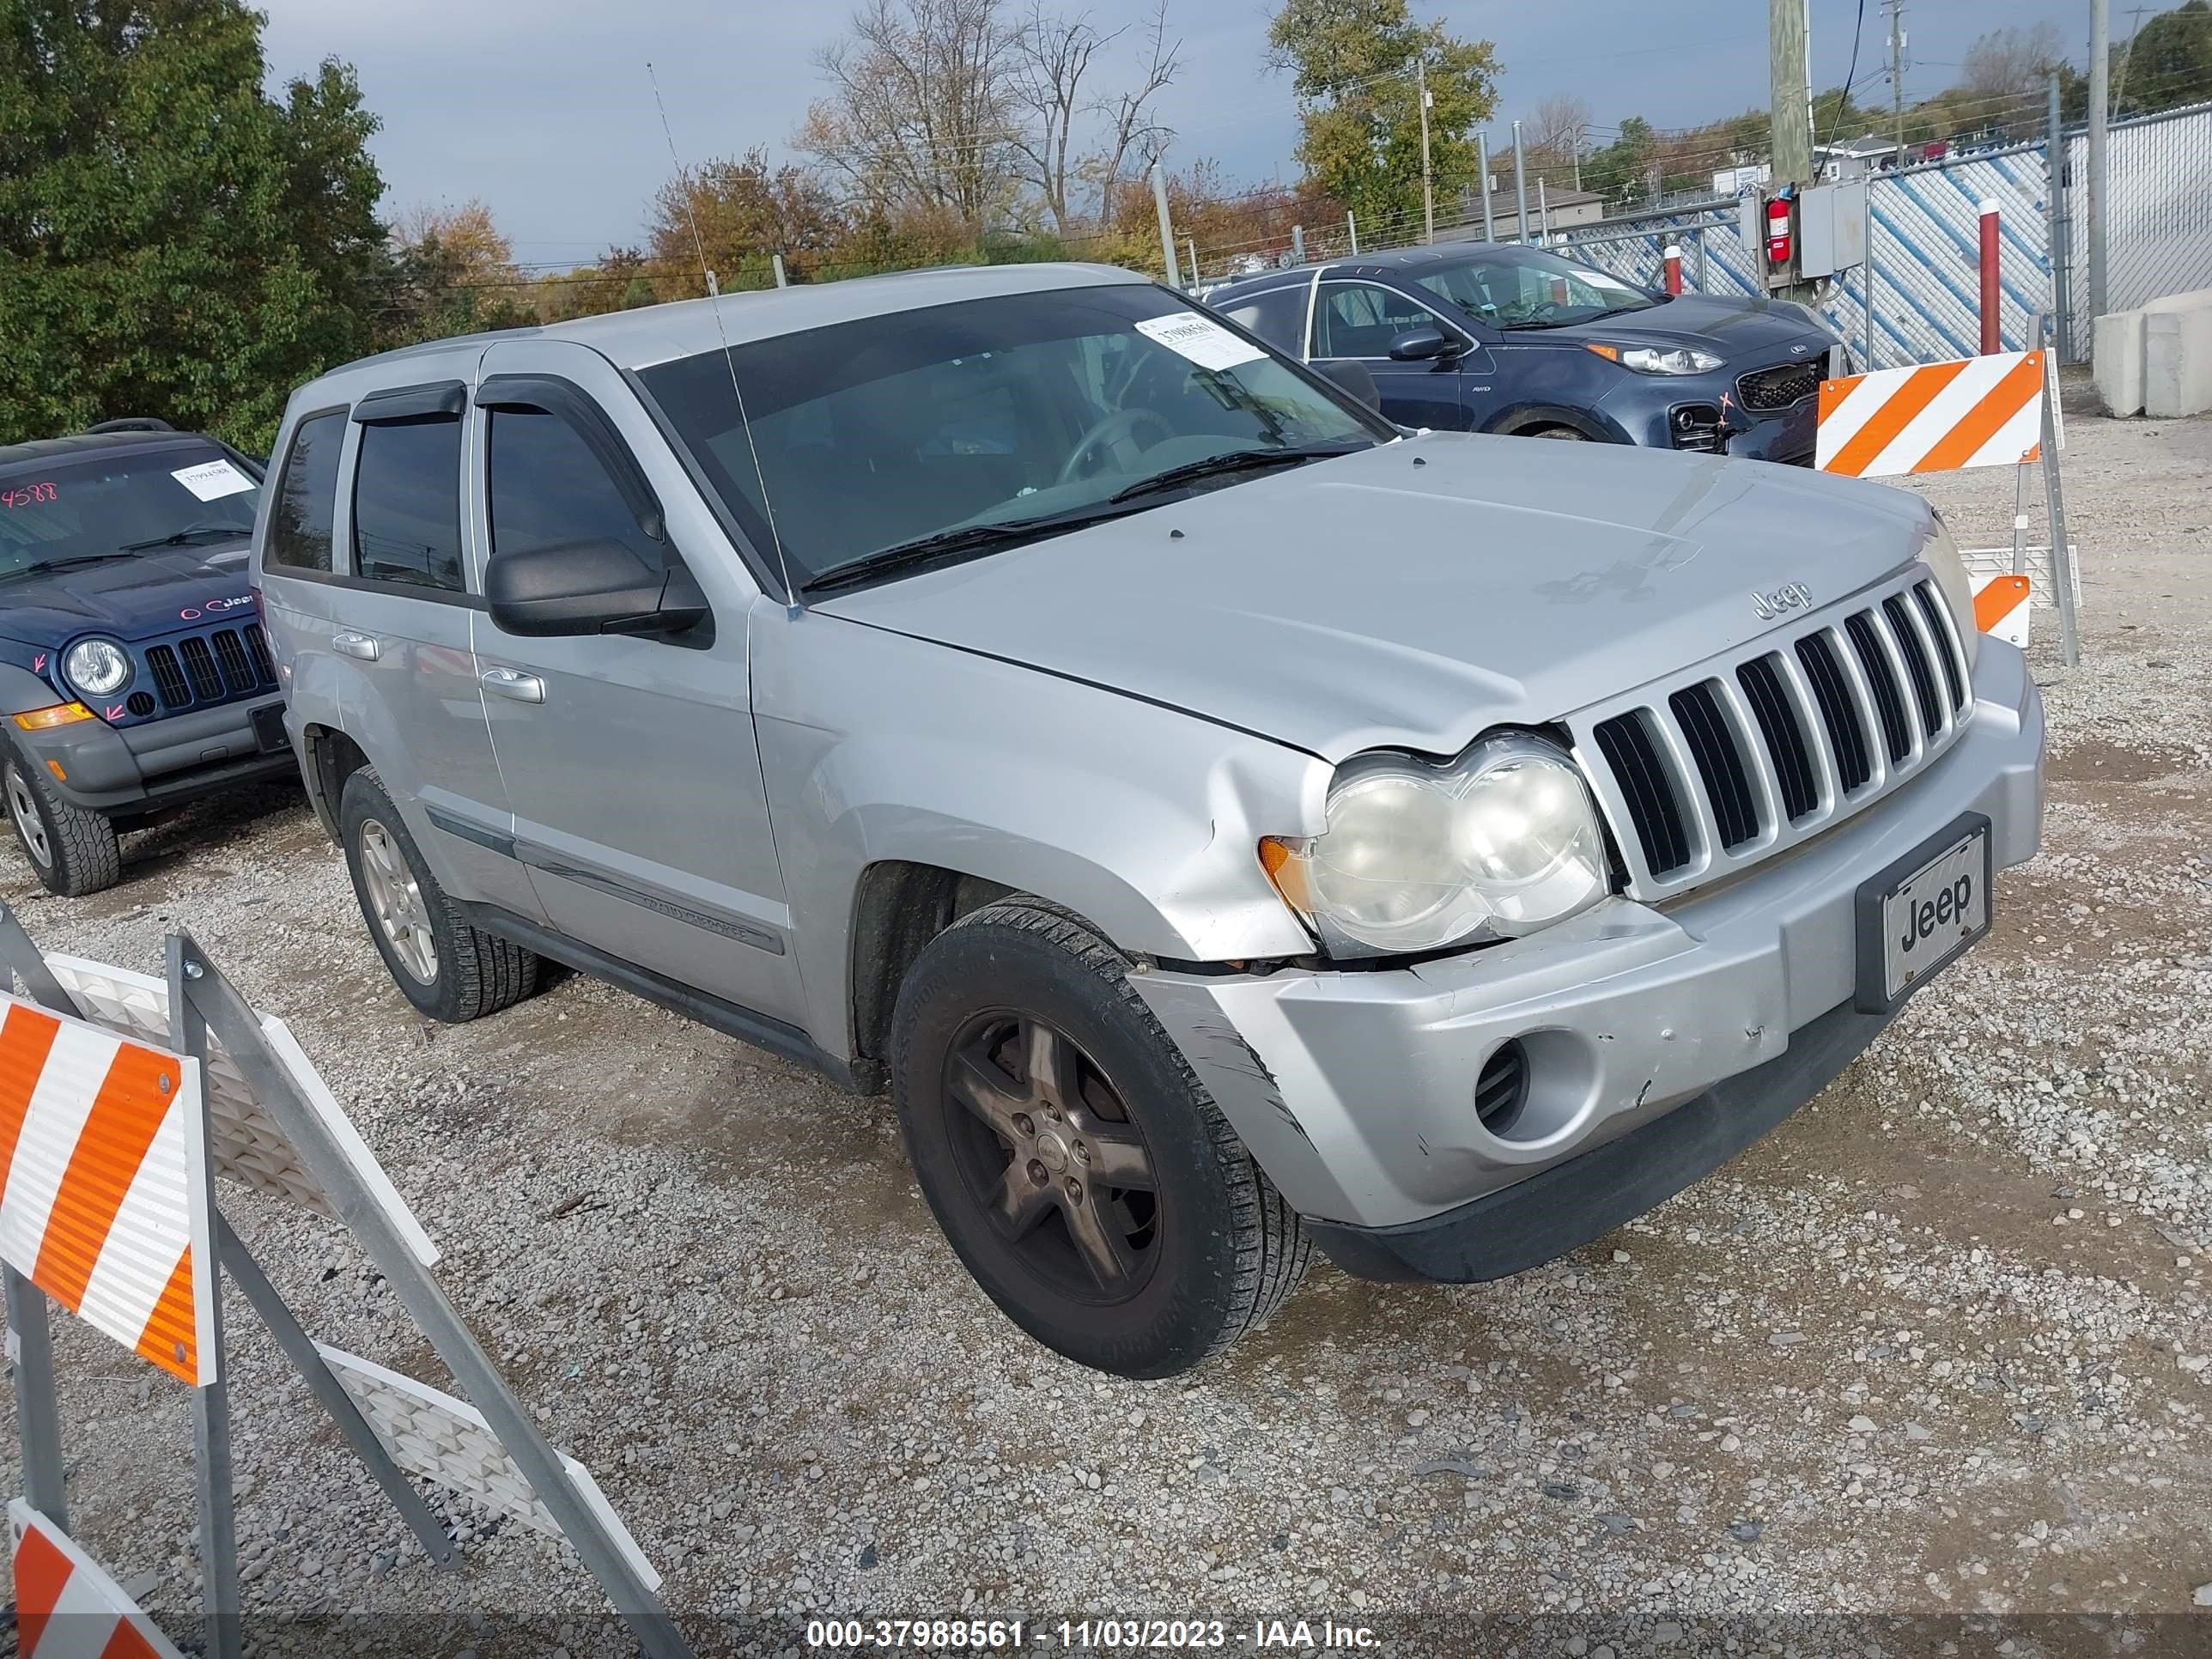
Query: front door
point(1359, 320)
point(629, 760)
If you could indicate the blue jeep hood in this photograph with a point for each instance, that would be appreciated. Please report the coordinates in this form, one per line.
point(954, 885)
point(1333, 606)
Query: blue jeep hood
point(138, 598)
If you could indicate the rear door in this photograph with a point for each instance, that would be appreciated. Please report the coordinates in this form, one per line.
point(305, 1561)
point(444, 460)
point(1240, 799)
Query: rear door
point(411, 592)
point(629, 760)
point(1358, 318)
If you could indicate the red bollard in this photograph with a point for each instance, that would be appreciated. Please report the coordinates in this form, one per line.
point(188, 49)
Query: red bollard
point(1674, 257)
point(1992, 337)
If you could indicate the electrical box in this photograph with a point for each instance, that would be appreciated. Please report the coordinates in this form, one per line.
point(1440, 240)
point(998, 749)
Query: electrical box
point(1831, 229)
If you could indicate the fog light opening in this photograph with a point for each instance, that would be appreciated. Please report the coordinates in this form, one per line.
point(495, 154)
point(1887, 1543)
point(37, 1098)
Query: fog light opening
point(1502, 1089)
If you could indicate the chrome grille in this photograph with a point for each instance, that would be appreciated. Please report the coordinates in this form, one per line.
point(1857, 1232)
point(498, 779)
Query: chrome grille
point(1760, 749)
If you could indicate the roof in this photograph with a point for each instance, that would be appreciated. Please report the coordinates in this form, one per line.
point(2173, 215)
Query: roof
point(683, 328)
point(50, 450)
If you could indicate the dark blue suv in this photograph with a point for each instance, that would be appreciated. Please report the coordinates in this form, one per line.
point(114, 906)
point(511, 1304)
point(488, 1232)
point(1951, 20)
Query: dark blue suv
point(134, 676)
point(1480, 337)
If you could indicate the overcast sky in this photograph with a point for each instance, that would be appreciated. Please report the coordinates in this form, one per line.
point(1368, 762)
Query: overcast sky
point(542, 107)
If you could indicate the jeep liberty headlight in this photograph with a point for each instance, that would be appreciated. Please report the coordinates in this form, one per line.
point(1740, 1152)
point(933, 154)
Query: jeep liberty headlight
point(100, 667)
point(1499, 842)
point(1941, 553)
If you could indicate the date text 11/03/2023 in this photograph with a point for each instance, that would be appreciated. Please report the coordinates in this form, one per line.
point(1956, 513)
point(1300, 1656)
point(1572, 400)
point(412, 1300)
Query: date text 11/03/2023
point(1086, 1634)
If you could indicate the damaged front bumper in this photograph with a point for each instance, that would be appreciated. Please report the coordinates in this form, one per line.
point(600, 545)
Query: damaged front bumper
point(1656, 1042)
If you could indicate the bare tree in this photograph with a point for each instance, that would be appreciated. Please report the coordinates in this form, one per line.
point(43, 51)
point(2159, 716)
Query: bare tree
point(1558, 135)
point(1052, 54)
point(2005, 73)
point(921, 108)
point(1130, 129)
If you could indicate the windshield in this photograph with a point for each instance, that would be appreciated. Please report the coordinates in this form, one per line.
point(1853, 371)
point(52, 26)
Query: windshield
point(881, 433)
point(51, 513)
point(1528, 288)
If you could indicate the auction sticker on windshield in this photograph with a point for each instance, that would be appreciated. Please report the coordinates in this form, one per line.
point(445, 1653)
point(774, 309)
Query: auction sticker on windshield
point(212, 480)
point(1202, 339)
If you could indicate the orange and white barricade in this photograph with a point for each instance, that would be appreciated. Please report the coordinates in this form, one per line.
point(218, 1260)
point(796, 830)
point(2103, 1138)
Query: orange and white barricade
point(103, 1184)
point(2001, 410)
point(66, 1607)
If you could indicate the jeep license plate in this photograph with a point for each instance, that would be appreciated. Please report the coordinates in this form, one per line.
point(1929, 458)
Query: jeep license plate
point(268, 728)
point(1921, 912)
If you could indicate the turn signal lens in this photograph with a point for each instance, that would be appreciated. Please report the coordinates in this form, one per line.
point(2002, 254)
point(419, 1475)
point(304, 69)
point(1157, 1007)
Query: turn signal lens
point(1611, 354)
point(60, 714)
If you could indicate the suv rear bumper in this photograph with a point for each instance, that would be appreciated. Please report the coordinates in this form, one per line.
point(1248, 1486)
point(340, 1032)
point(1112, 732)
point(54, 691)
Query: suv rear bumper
point(105, 768)
point(1356, 1090)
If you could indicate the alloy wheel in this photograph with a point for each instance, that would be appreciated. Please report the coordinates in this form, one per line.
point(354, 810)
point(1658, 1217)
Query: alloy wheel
point(397, 898)
point(23, 808)
point(1046, 1146)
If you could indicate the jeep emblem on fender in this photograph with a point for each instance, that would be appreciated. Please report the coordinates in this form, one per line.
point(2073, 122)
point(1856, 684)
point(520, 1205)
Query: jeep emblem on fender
point(1791, 596)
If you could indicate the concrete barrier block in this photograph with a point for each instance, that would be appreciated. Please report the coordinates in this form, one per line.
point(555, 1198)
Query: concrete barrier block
point(2190, 301)
point(2177, 378)
point(2116, 360)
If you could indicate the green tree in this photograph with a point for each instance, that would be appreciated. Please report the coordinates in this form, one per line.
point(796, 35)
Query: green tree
point(1353, 64)
point(2168, 63)
point(1619, 171)
point(172, 240)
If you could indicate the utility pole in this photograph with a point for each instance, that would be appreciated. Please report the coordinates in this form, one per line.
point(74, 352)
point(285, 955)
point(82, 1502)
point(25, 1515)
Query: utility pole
point(2127, 57)
point(1896, 72)
point(1167, 233)
point(1428, 190)
point(1788, 94)
point(2100, 67)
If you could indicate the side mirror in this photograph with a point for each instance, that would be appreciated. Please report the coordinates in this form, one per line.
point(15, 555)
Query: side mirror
point(589, 588)
point(1350, 376)
point(1418, 345)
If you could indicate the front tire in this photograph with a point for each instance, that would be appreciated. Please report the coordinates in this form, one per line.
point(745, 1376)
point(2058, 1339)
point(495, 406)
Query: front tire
point(1077, 1167)
point(71, 851)
point(447, 968)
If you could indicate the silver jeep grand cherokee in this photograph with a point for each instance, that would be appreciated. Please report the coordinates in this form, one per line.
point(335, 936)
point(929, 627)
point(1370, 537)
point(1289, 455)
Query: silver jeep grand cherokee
point(1225, 822)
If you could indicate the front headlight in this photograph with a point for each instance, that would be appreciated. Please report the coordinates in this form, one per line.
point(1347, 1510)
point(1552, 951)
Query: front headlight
point(1499, 842)
point(99, 666)
point(1941, 553)
point(1679, 360)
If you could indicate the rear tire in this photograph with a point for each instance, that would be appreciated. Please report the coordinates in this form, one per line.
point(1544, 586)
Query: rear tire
point(1029, 1075)
point(71, 851)
point(449, 968)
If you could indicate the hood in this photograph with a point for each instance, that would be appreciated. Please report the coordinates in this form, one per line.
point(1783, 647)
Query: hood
point(138, 597)
point(1732, 328)
point(1414, 595)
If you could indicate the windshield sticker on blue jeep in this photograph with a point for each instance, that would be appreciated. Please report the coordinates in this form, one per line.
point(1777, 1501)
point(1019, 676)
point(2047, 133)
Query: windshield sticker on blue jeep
point(30, 495)
point(213, 480)
point(1202, 339)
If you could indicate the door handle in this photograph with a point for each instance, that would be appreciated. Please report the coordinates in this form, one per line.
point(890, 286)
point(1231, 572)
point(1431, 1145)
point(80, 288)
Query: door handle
point(357, 645)
point(513, 684)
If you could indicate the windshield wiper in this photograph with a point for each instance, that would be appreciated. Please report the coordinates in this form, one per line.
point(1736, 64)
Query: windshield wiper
point(41, 566)
point(1234, 460)
point(951, 545)
point(190, 532)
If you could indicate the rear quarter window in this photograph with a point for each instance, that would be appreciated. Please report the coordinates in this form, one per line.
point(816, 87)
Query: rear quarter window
point(302, 517)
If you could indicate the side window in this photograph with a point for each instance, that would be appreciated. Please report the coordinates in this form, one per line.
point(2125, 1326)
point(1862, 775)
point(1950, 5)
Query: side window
point(307, 497)
point(407, 504)
point(1278, 316)
point(1359, 320)
point(549, 489)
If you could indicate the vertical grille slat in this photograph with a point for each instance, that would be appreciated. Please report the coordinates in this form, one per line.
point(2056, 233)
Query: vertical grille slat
point(1917, 668)
point(257, 645)
point(1786, 741)
point(1632, 753)
point(199, 663)
point(168, 678)
point(230, 656)
point(1947, 645)
point(1720, 764)
point(1854, 765)
point(1888, 699)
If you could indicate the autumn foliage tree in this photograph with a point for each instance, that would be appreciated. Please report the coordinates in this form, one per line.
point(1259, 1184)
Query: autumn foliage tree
point(174, 242)
point(740, 212)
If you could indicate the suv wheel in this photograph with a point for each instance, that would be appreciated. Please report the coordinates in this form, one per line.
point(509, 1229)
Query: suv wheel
point(72, 852)
point(448, 968)
point(1081, 1172)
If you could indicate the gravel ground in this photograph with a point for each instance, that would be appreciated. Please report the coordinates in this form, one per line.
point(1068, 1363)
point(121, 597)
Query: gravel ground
point(1938, 1345)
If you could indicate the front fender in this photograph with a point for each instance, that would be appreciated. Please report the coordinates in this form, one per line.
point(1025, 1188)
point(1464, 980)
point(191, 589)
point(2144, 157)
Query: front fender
point(21, 689)
point(1144, 820)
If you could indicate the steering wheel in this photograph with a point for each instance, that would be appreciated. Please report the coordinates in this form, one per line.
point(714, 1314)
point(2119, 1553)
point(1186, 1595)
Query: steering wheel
point(1115, 436)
